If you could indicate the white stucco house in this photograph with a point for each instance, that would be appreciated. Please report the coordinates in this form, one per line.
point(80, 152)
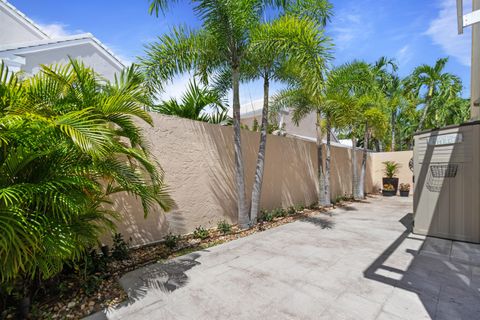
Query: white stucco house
point(306, 128)
point(25, 46)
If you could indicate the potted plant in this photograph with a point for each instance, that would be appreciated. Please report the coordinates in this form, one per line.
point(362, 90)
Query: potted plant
point(388, 190)
point(390, 170)
point(404, 189)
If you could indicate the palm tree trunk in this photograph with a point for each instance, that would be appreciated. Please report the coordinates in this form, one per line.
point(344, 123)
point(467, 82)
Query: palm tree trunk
point(321, 175)
point(355, 191)
point(423, 117)
point(393, 124)
point(361, 183)
point(257, 185)
point(425, 110)
point(243, 220)
point(327, 164)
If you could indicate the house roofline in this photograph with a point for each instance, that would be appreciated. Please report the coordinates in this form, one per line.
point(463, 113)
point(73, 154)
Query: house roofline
point(22, 18)
point(40, 45)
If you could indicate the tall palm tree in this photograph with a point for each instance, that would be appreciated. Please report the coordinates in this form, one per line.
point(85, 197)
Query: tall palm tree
point(430, 81)
point(291, 39)
point(395, 101)
point(68, 142)
point(197, 103)
point(303, 100)
point(221, 44)
point(357, 108)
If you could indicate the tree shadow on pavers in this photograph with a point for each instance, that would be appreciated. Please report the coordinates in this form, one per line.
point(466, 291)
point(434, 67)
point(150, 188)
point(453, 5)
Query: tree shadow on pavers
point(444, 288)
point(347, 208)
point(319, 222)
point(164, 277)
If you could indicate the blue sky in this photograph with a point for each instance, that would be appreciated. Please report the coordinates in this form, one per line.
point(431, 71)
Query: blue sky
point(411, 31)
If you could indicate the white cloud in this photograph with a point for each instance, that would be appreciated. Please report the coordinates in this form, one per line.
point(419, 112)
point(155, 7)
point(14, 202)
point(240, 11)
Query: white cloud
point(404, 55)
point(58, 30)
point(348, 28)
point(443, 31)
point(175, 88)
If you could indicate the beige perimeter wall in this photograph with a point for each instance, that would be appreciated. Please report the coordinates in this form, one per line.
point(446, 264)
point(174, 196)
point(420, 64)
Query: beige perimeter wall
point(402, 157)
point(199, 168)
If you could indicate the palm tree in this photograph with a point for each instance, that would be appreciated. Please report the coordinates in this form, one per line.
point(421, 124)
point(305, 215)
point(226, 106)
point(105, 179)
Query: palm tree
point(357, 108)
point(220, 45)
point(395, 102)
point(287, 40)
point(303, 100)
point(197, 103)
point(68, 142)
point(431, 81)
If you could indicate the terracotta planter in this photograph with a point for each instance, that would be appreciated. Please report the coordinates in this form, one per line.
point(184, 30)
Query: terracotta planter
point(404, 193)
point(392, 181)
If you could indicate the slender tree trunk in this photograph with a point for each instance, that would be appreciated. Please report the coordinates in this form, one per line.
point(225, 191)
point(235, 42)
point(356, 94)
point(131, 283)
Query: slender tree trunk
point(363, 172)
point(393, 124)
point(243, 220)
point(327, 164)
point(425, 110)
point(378, 147)
point(355, 191)
point(321, 175)
point(257, 185)
point(423, 117)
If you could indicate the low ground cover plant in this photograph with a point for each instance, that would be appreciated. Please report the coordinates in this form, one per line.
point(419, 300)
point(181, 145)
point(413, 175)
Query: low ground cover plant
point(200, 233)
point(120, 247)
point(171, 240)
point(224, 227)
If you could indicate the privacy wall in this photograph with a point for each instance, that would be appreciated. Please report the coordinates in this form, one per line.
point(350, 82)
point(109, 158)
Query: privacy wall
point(198, 161)
point(405, 175)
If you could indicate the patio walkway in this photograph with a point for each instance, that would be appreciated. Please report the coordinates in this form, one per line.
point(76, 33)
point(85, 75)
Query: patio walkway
point(361, 263)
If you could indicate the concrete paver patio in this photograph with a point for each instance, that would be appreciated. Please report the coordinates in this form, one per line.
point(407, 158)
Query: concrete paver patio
point(361, 262)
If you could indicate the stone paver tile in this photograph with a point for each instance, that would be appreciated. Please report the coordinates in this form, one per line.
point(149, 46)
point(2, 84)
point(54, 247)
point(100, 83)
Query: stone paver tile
point(456, 301)
point(372, 290)
point(388, 316)
point(410, 305)
point(353, 306)
point(437, 247)
point(465, 252)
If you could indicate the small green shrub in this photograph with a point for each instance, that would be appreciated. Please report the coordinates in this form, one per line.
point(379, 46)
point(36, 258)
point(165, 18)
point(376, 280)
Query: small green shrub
point(291, 210)
point(299, 207)
point(224, 227)
point(279, 212)
point(313, 205)
point(120, 248)
point(200, 233)
point(268, 216)
point(89, 264)
point(91, 284)
point(171, 240)
point(342, 198)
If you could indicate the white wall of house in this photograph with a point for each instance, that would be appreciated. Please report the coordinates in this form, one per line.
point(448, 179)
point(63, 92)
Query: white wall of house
point(24, 46)
point(87, 53)
point(13, 28)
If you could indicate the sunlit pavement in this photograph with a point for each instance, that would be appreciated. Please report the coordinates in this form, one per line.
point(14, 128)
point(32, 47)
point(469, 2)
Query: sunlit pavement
point(360, 263)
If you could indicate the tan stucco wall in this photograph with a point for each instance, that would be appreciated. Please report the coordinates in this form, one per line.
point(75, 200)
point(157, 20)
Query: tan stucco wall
point(402, 157)
point(199, 168)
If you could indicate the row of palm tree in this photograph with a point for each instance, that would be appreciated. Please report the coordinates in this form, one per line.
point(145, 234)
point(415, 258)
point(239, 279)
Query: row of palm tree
point(237, 43)
point(369, 103)
point(69, 142)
